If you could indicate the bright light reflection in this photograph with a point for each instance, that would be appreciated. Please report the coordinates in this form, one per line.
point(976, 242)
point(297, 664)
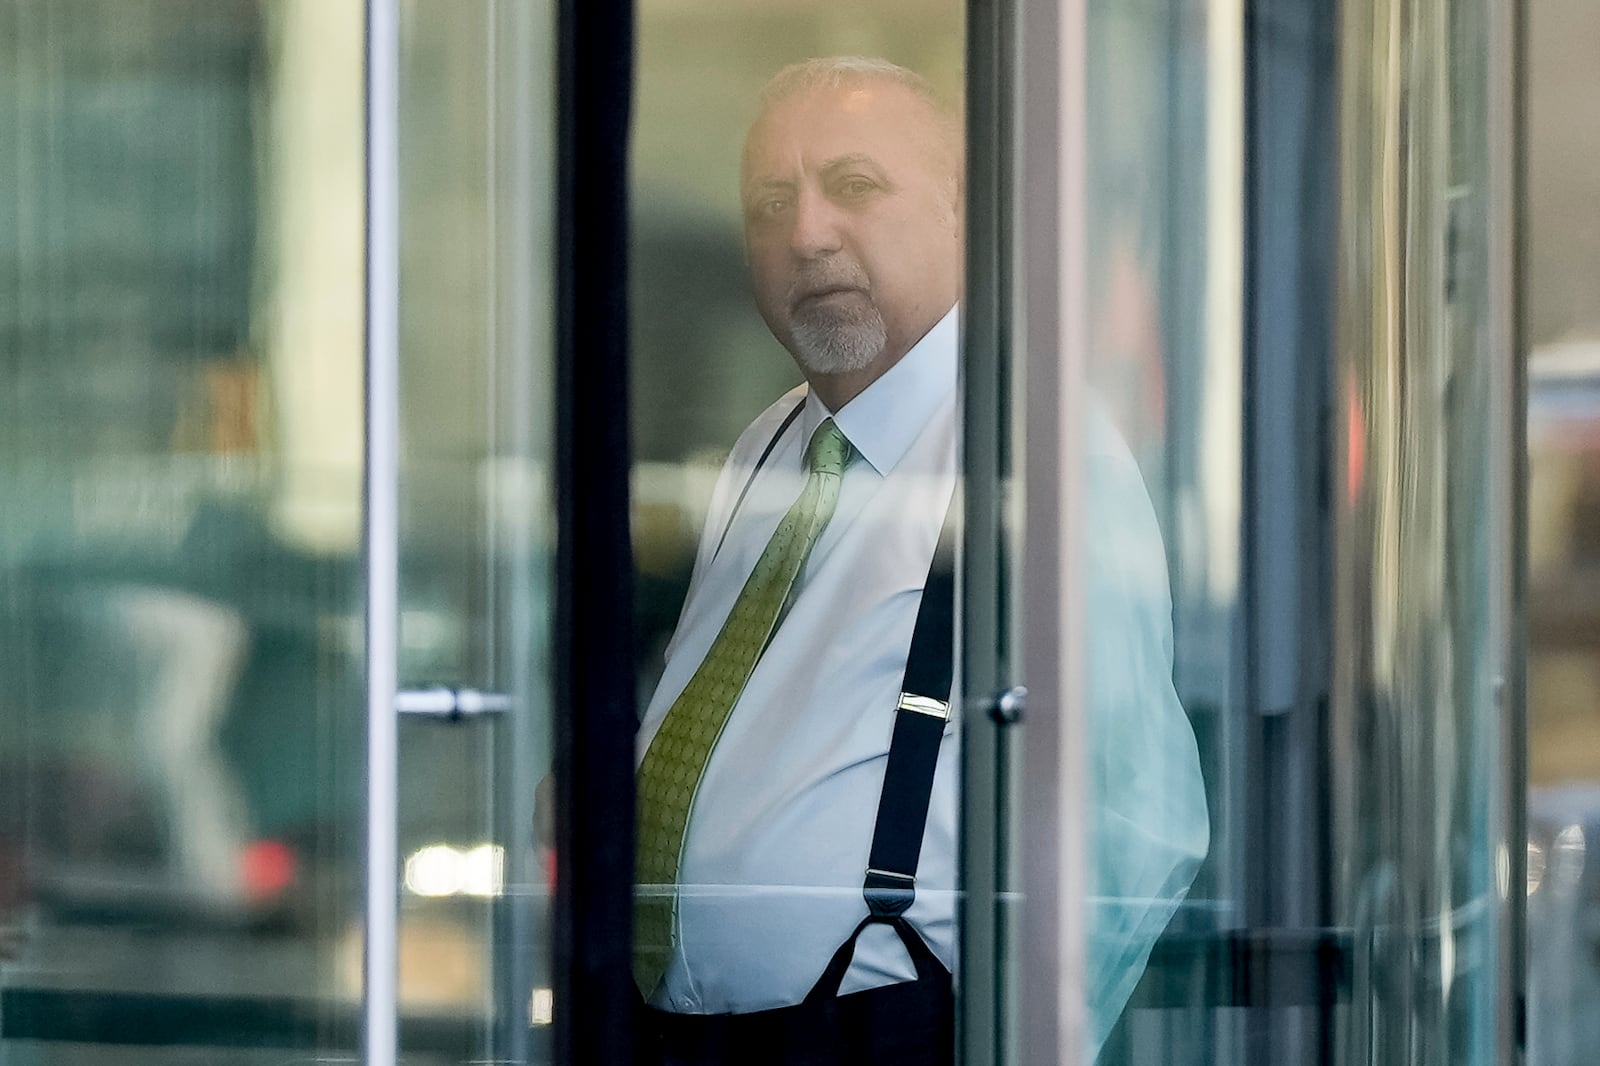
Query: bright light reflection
point(1447, 953)
point(443, 870)
point(484, 871)
point(542, 1006)
point(1535, 867)
point(434, 871)
point(1567, 857)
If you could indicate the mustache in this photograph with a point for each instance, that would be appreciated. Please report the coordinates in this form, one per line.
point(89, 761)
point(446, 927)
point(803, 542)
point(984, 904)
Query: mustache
point(826, 275)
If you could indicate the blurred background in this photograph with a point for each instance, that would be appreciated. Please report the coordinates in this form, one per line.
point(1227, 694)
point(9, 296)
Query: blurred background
point(182, 723)
point(1562, 290)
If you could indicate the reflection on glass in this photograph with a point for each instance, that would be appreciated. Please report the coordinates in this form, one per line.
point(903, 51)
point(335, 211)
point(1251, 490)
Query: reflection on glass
point(1563, 324)
point(442, 870)
point(180, 615)
point(1163, 502)
point(477, 519)
point(1148, 814)
point(180, 630)
point(1160, 483)
point(1424, 879)
point(1323, 494)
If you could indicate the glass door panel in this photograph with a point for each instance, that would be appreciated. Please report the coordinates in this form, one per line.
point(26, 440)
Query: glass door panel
point(476, 528)
point(182, 822)
point(775, 845)
point(1263, 351)
point(1563, 338)
point(1323, 433)
point(180, 622)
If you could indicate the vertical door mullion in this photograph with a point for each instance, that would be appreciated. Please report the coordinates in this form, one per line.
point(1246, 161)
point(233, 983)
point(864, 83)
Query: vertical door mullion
point(986, 669)
point(380, 1008)
point(1051, 327)
point(1506, 201)
point(595, 716)
point(521, 130)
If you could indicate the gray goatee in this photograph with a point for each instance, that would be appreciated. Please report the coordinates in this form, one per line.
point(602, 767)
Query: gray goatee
point(835, 337)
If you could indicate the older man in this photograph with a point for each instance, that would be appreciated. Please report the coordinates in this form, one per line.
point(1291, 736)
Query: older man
point(761, 934)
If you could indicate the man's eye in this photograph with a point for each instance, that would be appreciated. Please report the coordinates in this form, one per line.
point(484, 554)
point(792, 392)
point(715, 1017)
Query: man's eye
point(856, 187)
point(769, 208)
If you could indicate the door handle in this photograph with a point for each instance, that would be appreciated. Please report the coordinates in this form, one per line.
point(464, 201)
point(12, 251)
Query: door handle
point(450, 704)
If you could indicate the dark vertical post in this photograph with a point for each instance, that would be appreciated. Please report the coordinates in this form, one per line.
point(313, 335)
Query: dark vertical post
point(1290, 215)
point(988, 1003)
point(595, 718)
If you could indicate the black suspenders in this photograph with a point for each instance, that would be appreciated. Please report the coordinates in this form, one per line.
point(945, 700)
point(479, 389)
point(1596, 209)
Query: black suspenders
point(783, 427)
point(920, 717)
point(919, 723)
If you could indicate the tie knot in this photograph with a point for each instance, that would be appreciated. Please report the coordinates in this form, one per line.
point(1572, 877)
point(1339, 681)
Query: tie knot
point(828, 451)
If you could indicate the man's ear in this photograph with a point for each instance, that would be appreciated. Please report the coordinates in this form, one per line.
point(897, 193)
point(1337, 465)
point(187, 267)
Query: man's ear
point(955, 197)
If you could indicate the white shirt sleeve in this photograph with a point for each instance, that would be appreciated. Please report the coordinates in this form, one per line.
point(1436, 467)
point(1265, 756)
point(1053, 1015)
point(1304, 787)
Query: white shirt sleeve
point(1149, 828)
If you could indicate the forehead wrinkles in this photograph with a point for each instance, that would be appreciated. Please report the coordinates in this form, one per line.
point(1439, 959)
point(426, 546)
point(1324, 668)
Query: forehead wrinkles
point(895, 111)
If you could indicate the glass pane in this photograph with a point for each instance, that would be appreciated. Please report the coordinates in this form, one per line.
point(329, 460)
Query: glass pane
point(477, 526)
point(180, 635)
point(181, 722)
point(1159, 582)
point(1292, 795)
point(1563, 323)
point(1422, 652)
point(821, 246)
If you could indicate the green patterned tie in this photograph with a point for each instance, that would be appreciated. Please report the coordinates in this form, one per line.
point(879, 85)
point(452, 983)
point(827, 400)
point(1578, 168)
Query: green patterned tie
point(671, 770)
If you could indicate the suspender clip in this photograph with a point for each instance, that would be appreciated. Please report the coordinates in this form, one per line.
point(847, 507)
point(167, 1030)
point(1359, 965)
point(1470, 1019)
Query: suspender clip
point(889, 894)
point(927, 705)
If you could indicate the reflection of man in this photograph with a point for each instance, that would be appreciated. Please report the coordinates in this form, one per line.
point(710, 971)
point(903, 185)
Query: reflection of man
point(763, 752)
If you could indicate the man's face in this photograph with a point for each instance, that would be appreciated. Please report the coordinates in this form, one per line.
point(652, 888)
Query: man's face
point(852, 226)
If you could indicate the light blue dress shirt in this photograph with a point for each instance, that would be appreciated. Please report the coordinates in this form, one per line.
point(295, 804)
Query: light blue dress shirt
point(770, 880)
point(1149, 827)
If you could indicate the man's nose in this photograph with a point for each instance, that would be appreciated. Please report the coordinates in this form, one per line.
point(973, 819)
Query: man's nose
point(816, 226)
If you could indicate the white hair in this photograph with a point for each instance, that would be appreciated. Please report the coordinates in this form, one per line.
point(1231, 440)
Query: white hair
point(836, 72)
point(833, 72)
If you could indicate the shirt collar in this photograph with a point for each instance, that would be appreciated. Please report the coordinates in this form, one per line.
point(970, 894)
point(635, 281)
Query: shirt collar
point(883, 420)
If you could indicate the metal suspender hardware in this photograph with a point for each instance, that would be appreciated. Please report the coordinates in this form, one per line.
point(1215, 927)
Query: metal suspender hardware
point(924, 705)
